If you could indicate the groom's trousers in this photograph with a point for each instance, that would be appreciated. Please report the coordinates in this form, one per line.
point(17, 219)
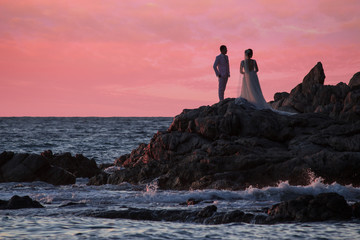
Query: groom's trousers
point(222, 86)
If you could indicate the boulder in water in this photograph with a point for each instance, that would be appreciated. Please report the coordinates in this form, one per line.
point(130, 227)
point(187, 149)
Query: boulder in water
point(308, 208)
point(17, 202)
point(78, 165)
point(24, 167)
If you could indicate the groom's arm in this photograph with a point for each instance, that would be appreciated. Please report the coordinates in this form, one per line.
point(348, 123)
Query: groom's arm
point(228, 66)
point(215, 66)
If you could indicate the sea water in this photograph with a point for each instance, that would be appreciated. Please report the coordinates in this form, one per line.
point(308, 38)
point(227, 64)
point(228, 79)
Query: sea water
point(105, 139)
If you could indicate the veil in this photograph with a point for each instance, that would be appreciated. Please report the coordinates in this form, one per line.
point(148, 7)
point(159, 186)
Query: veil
point(250, 87)
point(250, 91)
point(244, 64)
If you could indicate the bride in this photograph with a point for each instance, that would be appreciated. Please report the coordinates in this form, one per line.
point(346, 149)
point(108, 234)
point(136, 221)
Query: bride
point(251, 90)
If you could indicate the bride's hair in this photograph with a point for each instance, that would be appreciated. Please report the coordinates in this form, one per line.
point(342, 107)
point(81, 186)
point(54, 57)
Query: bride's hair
point(249, 53)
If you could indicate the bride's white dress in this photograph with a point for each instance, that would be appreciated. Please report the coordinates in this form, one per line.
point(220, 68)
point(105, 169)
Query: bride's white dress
point(251, 90)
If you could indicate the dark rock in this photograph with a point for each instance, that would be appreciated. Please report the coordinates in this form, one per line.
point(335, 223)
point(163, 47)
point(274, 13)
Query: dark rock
point(355, 80)
point(103, 166)
point(207, 215)
point(315, 77)
point(306, 208)
point(325, 206)
point(71, 204)
point(280, 95)
point(23, 167)
point(339, 102)
point(207, 211)
point(57, 176)
point(99, 179)
point(356, 210)
point(120, 161)
point(79, 165)
point(17, 202)
point(233, 216)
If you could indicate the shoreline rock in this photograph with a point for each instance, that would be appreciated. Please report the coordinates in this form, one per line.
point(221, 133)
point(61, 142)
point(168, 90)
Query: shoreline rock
point(306, 208)
point(79, 166)
point(58, 169)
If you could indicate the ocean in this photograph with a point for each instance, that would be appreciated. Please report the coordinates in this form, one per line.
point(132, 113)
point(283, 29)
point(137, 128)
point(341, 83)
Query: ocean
point(105, 139)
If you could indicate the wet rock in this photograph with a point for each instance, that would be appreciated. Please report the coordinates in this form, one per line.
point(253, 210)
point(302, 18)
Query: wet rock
point(71, 204)
point(207, 215)
point(99, 179)
point(79, 165)
point(325, 206)
point(17, 202)
point(233, 216)
point(207, 211)
point(306, 208)
point(356, 210)
point(24, 167)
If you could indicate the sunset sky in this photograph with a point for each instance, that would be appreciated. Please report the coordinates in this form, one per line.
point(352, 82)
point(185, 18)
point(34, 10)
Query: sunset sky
point(154, 58)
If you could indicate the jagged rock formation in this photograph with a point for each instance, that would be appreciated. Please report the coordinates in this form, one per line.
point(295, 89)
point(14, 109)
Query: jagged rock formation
point(341, 101)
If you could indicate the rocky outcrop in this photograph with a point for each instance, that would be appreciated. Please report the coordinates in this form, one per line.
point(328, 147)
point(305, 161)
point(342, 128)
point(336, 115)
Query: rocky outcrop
point(79, 166)
point(24, 167)
point(341, 101)
point(227, 146)
point(17, 202)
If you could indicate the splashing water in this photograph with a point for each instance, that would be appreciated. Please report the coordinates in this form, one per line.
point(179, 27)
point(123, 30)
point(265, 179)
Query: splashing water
point(152, 187)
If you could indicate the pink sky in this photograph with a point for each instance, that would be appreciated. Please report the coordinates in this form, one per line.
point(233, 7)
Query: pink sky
point(154, 58)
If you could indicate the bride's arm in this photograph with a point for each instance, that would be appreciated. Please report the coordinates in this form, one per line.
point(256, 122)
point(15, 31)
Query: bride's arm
point(242, 67)
point(256, 66)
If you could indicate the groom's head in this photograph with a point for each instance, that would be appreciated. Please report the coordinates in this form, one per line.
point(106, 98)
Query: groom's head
point(223, 49)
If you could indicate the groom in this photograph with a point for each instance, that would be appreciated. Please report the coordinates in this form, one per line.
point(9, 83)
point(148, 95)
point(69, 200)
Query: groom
point(222, 70)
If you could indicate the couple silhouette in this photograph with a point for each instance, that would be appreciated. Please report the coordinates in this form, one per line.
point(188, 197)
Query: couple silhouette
point(250, 89)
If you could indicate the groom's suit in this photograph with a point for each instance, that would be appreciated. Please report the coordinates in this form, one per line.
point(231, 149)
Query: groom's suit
point(222, 71)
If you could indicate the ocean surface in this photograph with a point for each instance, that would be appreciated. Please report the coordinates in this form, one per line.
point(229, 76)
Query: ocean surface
point(105, 139)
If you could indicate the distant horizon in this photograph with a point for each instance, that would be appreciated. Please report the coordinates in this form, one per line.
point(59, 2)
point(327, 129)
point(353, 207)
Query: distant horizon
point(136, 58)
